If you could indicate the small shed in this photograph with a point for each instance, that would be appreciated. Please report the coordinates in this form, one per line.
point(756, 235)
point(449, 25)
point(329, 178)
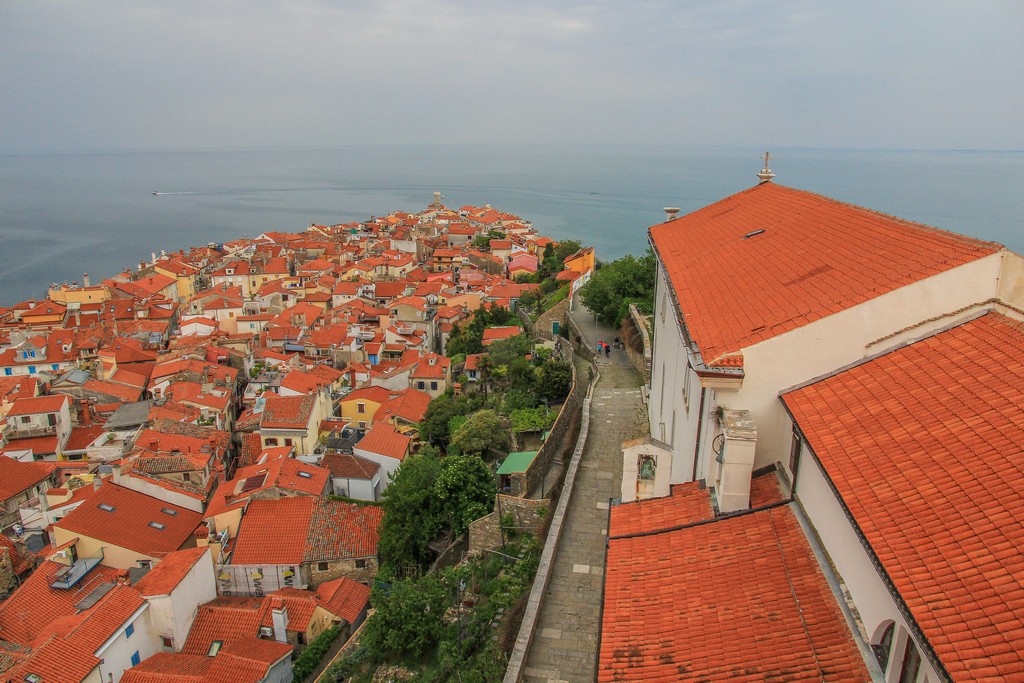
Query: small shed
point(512, 473)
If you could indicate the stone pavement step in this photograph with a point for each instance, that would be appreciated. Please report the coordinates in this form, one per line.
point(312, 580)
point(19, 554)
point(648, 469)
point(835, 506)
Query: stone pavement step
point(565, 645)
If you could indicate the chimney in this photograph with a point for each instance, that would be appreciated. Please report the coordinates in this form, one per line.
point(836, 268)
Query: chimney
point(279, 615)
point(85, 279)
point(736, 460)
point(670, 213)
point(765, 175)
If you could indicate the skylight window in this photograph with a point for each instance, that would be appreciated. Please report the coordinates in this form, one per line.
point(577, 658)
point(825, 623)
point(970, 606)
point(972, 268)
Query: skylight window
point(215, 647)
point(157, 525)
point(169, 511)
point(105, 507)
point(306, 475)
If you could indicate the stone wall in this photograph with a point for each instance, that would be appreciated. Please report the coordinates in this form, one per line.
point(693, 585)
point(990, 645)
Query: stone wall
point(529, 515)
point(559, 441)
point(559, 312)
point(641, 361)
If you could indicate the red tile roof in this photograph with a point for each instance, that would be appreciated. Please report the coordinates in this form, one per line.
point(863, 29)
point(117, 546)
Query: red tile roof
point(38, 405)
point(688, 503)
point(674, 611)
point(128, 525)
point(28, 612)
point(344, 597)
point(349, 466)
point(226, 619)
point(383, 439)
point(171, 570)
point(283, 473)
point(290, 531)
point(493, 334)
point(287, 412)
point(941, 509)
point(274, 531)
point(409, 405)
point(816, 256)
point(16, 476)
point(170, 667)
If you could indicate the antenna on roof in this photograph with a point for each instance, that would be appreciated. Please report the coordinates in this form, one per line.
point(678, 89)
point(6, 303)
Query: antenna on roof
point(766, 174)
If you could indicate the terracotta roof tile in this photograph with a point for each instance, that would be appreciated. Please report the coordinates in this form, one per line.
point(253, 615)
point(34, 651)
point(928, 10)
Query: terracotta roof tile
point(941, 509)
point(664, 620)
point(344, 597)
point(170, 571)
point(814, 256)
point(226, 619)
point(131, 521)
point(688, 503)
point(287, 412)
point(28, 612)
point(290, 531)
point(16, 476)
point(349, 466)
point(383, 439)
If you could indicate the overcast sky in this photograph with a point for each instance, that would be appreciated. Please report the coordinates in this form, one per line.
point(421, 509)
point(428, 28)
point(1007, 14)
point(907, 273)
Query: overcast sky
point(82, 75)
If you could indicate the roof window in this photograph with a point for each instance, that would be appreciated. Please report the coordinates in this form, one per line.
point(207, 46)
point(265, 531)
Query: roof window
point(157, 525)
point(105, 507)
point(306, 475)
point(169, 511)
point(215, 647)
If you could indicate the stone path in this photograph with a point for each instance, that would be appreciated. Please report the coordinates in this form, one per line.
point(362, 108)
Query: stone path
point(564, 647)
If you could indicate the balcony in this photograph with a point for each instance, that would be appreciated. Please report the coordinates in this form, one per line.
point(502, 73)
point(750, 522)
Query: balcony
point(28, 431)
point(67, 577)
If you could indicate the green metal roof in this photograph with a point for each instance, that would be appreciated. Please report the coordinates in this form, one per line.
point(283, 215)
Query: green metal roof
point(517, 462)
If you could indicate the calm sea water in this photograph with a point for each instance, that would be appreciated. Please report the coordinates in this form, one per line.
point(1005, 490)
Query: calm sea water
point(63, 215)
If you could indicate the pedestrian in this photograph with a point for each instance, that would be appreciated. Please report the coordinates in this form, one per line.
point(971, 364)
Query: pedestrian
point(600, 346)
point(607, 350)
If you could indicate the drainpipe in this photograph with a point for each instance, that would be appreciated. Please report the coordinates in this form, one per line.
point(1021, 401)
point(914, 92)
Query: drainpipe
point(700, 432)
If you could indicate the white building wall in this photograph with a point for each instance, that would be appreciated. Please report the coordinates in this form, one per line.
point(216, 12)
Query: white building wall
point(387, 467)
point(874, 603)
point(362, 489)
point(172, 615)
point(675, 398)
point(117, 652)
point(158, 492)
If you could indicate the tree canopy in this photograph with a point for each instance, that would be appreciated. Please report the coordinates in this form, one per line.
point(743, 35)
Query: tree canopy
point(427, 497)
point(479, 433)
point(617, 284)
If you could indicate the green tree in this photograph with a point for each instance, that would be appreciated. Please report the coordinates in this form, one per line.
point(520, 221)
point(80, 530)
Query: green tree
point(517, 399)
point(532, 419)
point(409, 617)
point(412, 515)
point(465, 489)
point(481, 432)
point(553, 380)
point(617, 284)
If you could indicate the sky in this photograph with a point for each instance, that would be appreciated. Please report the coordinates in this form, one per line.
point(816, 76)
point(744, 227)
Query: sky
point(84, 75)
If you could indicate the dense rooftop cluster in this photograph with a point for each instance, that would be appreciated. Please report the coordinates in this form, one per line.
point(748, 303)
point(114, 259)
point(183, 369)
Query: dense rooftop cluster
point(171, 434)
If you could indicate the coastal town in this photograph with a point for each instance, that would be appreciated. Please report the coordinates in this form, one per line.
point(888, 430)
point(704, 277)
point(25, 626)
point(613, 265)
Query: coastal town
point(195, 452)
point(786, 444)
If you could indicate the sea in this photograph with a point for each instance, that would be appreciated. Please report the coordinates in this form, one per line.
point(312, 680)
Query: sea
point(63, 215)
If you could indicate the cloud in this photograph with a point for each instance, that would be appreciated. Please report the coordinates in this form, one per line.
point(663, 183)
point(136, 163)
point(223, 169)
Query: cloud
point(228, 74)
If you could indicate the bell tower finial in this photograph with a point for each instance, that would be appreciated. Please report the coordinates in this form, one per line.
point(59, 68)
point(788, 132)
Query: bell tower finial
point(765, 175)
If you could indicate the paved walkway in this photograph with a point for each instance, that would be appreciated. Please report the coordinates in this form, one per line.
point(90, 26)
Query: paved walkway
point(564, 647)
